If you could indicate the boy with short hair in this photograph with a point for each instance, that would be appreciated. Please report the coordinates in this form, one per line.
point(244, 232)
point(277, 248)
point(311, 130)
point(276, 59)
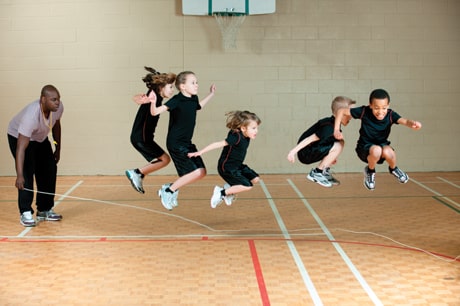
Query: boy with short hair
point(319, 144)
point(373, 146)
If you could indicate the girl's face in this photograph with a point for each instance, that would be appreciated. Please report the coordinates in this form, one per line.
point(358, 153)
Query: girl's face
point(190, 87)
point(250, 130)
point(167, 91)
point(379, 108)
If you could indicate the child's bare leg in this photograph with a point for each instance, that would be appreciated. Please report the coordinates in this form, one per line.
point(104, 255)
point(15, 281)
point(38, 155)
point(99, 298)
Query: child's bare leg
point(241, 188)
point(332, 156)
point(390, 156)
point(375, 153)
point(188, 179)
point(159, 163)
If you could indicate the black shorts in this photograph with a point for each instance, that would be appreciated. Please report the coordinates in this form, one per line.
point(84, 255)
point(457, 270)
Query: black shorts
point(363, 152)
point(150, 151)
point(313, 153)
point(242, 176)
point(184, 164)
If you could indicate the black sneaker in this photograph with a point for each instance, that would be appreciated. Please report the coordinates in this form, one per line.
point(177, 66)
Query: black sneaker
point(400, 175)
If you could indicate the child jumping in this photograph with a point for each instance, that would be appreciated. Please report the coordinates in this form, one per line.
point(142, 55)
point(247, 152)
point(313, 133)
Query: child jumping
point(243, 127)
point(142, 135)
point(318, 143)
point(183, 109)
point(373, 146)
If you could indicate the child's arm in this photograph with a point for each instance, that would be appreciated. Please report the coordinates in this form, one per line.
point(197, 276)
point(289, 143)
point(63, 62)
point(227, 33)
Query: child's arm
point(300, 146)
point(154, 110)
point(338, 119)
point(410, 123)
point(212, 146)
point(140, 99)
point(212, 90)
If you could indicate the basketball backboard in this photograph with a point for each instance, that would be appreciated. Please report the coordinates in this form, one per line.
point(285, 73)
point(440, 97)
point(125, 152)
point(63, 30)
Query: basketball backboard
point(209, 7)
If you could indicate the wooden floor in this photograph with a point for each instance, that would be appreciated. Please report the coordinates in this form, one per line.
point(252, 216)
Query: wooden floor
point(287, 242)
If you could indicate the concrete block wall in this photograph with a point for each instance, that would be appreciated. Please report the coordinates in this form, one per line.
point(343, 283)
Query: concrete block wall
point(287, 68)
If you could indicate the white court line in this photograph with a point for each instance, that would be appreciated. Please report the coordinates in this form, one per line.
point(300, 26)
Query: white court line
point(28, 229)
point(437, 193)
point(448, 182)
point(303, 271)
point(338, 248)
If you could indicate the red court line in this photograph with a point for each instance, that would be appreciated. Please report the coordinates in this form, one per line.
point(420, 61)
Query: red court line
point(259, 275)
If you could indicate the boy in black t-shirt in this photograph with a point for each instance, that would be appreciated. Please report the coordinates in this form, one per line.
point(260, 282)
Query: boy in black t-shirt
point(183, 109)
point(319, 144)
point(373, 146)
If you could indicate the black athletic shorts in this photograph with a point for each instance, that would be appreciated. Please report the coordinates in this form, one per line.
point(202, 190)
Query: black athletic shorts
point(150, 151)
point(184, 164)
point(363, 152)
point(242, 176)
point(313, 153)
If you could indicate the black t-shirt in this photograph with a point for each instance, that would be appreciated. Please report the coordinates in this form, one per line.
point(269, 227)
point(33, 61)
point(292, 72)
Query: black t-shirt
point(324, 129)
point(233, 155)
point(145, 123)
point(374, 131)
point(182, 119)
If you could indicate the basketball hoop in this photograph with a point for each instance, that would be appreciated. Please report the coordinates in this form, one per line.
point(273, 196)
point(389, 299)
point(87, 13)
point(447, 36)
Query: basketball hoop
point(229, 24)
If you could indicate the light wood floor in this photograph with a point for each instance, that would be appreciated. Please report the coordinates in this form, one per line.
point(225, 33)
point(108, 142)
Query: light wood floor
point(286, 242)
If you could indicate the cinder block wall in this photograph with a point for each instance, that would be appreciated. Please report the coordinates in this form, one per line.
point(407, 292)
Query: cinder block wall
point(287, 68)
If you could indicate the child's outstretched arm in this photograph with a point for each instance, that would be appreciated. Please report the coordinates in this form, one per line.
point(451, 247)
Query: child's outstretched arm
point(410, 123)
point(300, 146)
point(212, 90)
point(338, 119)
point(212, 146)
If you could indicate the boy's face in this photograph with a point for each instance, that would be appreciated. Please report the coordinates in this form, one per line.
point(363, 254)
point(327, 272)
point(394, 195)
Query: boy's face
point(379, 108)
point(50, 101)
point(190, 87)
point(345, 119)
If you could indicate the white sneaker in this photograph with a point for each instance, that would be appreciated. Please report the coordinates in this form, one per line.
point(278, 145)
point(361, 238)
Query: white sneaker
point(167, 198)
point(135, 179)
point(318, 177)
point(217, 197)
point(27, 219)
point(228, 199)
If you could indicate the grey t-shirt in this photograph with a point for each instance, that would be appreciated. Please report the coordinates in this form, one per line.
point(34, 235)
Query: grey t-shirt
point(31, 122)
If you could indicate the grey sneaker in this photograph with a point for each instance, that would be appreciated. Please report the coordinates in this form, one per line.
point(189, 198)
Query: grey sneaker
point(217, 197)
point(167, 198)
point(319, 177)
point(49, 215)
point(135, 179)
point(369, 179)
point(330, 178)
point(400, 175)
point(27, 219)
point(228, 199)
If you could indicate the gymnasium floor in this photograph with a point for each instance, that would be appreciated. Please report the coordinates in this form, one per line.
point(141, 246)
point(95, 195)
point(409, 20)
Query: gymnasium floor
point(286, 242)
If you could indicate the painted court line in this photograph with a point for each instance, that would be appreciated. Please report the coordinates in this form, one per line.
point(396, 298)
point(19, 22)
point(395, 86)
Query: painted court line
point(440, 195)
point(448, 182)
point(28, 229)
point(338, 248)
point(295, 254)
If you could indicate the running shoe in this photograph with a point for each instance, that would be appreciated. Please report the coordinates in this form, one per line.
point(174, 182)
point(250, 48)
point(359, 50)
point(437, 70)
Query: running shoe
point(319, 177)
point(400, 175)
point(217, 197)
point(369, 179)
point(167, 198)
point(135, 179)
point(229, 198)
point(49, 215)
point(27, 219)
point(330, 178)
